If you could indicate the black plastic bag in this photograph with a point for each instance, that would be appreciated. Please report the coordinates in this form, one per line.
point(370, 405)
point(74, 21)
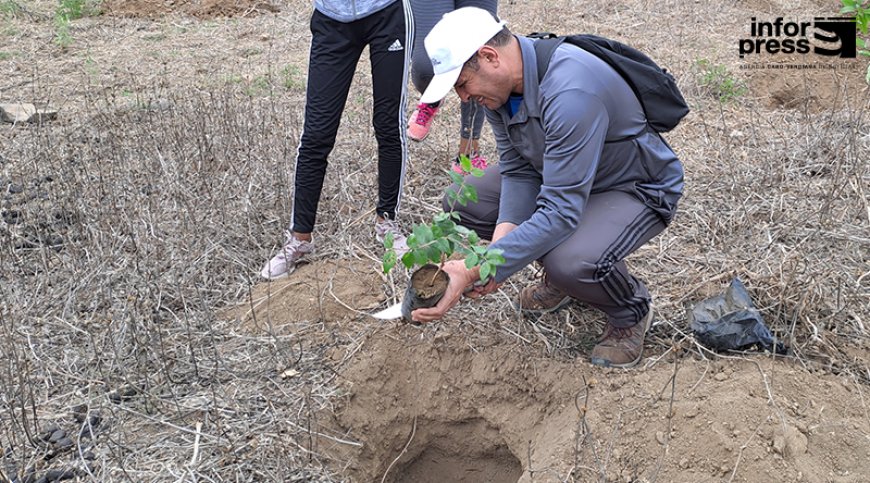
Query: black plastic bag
point(730, 322)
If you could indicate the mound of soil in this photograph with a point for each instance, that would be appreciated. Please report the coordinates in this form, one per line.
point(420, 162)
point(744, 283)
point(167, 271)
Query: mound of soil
point(427, 409)
point(814, 87)
point(427, 405)
point(316, 292)
point(197, 8)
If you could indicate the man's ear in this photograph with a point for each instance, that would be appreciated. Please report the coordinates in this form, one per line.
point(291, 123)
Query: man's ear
point(488, 54)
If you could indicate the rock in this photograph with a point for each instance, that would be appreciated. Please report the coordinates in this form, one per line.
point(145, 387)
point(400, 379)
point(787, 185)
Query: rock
point(59, 475)
point(64, 443)
point(18, 113)
point(56, 436)
point(684, 463)
point(12, 217)
point(660, 437)
point(721, 376)
point(790, 443)
point(15, 188)
point(160, 105)
point(46, 435)
point(124, 393)
point(79, 411)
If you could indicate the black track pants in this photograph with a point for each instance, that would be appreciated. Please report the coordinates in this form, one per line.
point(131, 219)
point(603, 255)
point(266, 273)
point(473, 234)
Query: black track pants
point(335, 51)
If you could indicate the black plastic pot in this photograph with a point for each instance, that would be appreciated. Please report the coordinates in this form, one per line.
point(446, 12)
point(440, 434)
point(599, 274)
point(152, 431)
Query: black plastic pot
point(426, 287)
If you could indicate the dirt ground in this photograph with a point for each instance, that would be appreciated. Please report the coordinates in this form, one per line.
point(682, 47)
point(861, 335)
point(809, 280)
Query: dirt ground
point(448, 403)
point(134, 226)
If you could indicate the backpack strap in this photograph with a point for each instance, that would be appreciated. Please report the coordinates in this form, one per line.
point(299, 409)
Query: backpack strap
point(545, 45)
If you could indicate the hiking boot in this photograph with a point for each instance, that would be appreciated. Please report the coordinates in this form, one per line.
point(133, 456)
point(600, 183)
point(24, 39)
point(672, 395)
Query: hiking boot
point(385, 226)
point(477, 161)
point(421, 121)
point(542, 298)
point(287, 258)
point(621, 347)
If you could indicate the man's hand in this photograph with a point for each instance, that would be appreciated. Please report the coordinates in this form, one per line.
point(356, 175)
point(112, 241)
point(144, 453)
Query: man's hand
point(478, 291)
point(460, 279)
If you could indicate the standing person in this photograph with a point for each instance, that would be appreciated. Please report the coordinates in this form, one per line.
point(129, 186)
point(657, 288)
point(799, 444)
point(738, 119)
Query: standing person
point(583, 181)
point(340, 30)
point(426, 14)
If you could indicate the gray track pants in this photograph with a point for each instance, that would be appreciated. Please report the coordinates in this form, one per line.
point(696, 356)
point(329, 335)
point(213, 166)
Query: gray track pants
point(590, 264)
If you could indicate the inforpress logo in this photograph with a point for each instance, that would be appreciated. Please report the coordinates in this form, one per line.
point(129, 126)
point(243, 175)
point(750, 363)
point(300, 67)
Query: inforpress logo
point(833, 37)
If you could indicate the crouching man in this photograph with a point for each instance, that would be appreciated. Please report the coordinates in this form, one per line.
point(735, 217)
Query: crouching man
point(582, 180)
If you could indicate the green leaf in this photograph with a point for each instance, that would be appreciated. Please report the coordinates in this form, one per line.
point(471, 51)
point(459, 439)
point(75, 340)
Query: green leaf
point(389, 261)
point(433, 254)
point(456, 177)
point(477, 172)
point(421, 257)
point(388, 241)
point(473, 238)
point(471, 260)
point(462, 230)
point(411, 241)
point(495, 256)
point(443, 246)
point(868, 74)
point(423, 233)
point(408, 259)
point(859, 42)
point(472, 192)
point(465, 163)
point(485, 271)
point(454, 215)
point(469, 193)
point(453, 198)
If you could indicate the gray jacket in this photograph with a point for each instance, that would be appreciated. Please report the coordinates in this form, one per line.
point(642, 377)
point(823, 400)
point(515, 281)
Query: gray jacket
point(563, 144)
point(350, 10)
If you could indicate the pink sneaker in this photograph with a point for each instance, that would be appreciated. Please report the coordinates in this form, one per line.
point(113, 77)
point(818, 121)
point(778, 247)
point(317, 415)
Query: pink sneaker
point(287, 258)
point(477, 161)
point(421, 121)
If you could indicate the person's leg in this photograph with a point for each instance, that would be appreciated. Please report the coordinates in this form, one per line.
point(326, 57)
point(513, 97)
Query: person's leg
point(333, 57)
point(389, 81)
point(472, 114)
point(482, 215)
point(426, 14)
point(471, 119)
point(590, 266)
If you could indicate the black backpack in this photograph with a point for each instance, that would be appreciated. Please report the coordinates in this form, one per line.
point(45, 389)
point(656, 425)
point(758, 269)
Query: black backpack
point(655, 88)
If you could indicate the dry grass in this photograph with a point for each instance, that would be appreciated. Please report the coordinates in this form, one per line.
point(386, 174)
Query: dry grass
point(144, 215)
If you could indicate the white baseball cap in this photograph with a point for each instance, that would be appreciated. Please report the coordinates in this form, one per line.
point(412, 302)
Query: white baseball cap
point(451, 42)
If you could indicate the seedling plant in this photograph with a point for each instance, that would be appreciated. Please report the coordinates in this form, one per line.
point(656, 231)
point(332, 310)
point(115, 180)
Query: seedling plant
point(437, 241)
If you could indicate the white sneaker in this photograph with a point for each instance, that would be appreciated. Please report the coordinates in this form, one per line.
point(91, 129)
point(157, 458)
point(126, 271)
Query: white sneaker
point(400, 242)
point(287, 258)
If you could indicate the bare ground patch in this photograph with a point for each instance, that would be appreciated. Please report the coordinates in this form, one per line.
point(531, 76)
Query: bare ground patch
point(198, 8)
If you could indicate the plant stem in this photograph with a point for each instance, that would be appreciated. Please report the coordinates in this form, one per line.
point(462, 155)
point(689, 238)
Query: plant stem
point(440, 266)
